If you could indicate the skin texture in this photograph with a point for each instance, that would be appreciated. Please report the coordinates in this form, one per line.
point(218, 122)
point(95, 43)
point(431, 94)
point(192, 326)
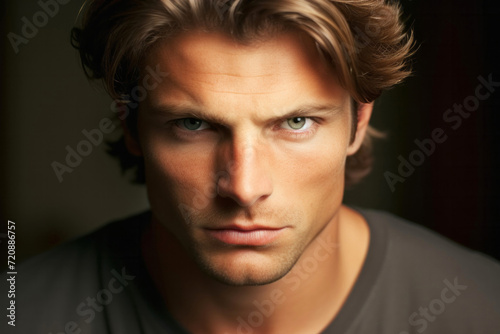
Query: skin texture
point(254, 136)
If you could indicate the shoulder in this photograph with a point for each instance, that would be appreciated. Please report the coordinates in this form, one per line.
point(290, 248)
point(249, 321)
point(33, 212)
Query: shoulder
point(427, 282)
point(50, 287)
point(87, 251)
point(426, 250)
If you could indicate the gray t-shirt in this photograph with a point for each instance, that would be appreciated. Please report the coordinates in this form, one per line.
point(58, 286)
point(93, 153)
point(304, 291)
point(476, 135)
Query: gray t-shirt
point(412, 281)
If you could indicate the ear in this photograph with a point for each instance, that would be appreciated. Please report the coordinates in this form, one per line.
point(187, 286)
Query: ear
point(131, 140)
point(364, 113)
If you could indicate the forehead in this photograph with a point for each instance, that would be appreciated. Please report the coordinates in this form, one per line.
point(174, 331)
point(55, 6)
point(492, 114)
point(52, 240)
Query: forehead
point(209, 67)
point(202, 48)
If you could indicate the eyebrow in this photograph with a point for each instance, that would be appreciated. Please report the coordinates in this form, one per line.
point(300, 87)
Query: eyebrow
point(312, 110)
point(193, 112)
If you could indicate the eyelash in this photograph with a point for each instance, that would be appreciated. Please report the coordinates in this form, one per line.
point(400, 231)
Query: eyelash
point(296, 134)
point(178, 121)
point(300, 134)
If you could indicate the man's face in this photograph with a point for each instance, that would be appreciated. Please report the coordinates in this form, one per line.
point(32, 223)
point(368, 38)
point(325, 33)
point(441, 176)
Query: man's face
point(244, 149)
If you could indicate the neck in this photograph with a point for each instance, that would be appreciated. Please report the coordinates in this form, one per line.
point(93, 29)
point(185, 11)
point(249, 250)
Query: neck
point(320, 281)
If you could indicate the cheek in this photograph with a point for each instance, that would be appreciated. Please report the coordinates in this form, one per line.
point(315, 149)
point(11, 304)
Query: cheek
point(176, 175)
point(178, 189)
point(312, 186)
point(318, 164)
point(321, 171)
point(314, 179)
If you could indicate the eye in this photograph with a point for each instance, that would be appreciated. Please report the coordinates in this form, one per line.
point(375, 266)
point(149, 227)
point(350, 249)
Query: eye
point(297, 123)
point(192, 124)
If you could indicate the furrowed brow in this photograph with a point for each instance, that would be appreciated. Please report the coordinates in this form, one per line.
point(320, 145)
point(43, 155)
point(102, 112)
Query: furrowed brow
point(179, 111)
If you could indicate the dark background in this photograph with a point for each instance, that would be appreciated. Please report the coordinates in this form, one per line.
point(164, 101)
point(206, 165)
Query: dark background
point(455, 191)
point(46, 103)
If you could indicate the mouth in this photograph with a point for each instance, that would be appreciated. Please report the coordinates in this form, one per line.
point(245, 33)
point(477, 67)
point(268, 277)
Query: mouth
point(246, 236)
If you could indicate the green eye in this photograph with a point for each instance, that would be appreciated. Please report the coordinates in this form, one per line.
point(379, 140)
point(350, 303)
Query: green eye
point(191, 123)
point(296, 123)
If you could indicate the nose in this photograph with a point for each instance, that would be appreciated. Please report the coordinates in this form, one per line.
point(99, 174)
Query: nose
point(246, 176)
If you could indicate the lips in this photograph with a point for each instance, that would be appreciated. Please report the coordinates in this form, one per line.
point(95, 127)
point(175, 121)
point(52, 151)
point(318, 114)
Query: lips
point(246, 236)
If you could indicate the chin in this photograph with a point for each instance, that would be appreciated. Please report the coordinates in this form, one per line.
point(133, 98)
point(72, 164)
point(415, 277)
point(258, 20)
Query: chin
point(245, 279)
point(247, 270)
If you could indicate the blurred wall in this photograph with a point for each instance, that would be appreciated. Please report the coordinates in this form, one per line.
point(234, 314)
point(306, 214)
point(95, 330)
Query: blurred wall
point(47, 103)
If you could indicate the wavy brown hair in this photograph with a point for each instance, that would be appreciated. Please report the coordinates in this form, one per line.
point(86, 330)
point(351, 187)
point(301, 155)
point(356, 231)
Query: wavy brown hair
point(363, 40)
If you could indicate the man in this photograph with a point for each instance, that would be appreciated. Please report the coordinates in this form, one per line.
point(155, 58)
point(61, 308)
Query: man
point(245, 119)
